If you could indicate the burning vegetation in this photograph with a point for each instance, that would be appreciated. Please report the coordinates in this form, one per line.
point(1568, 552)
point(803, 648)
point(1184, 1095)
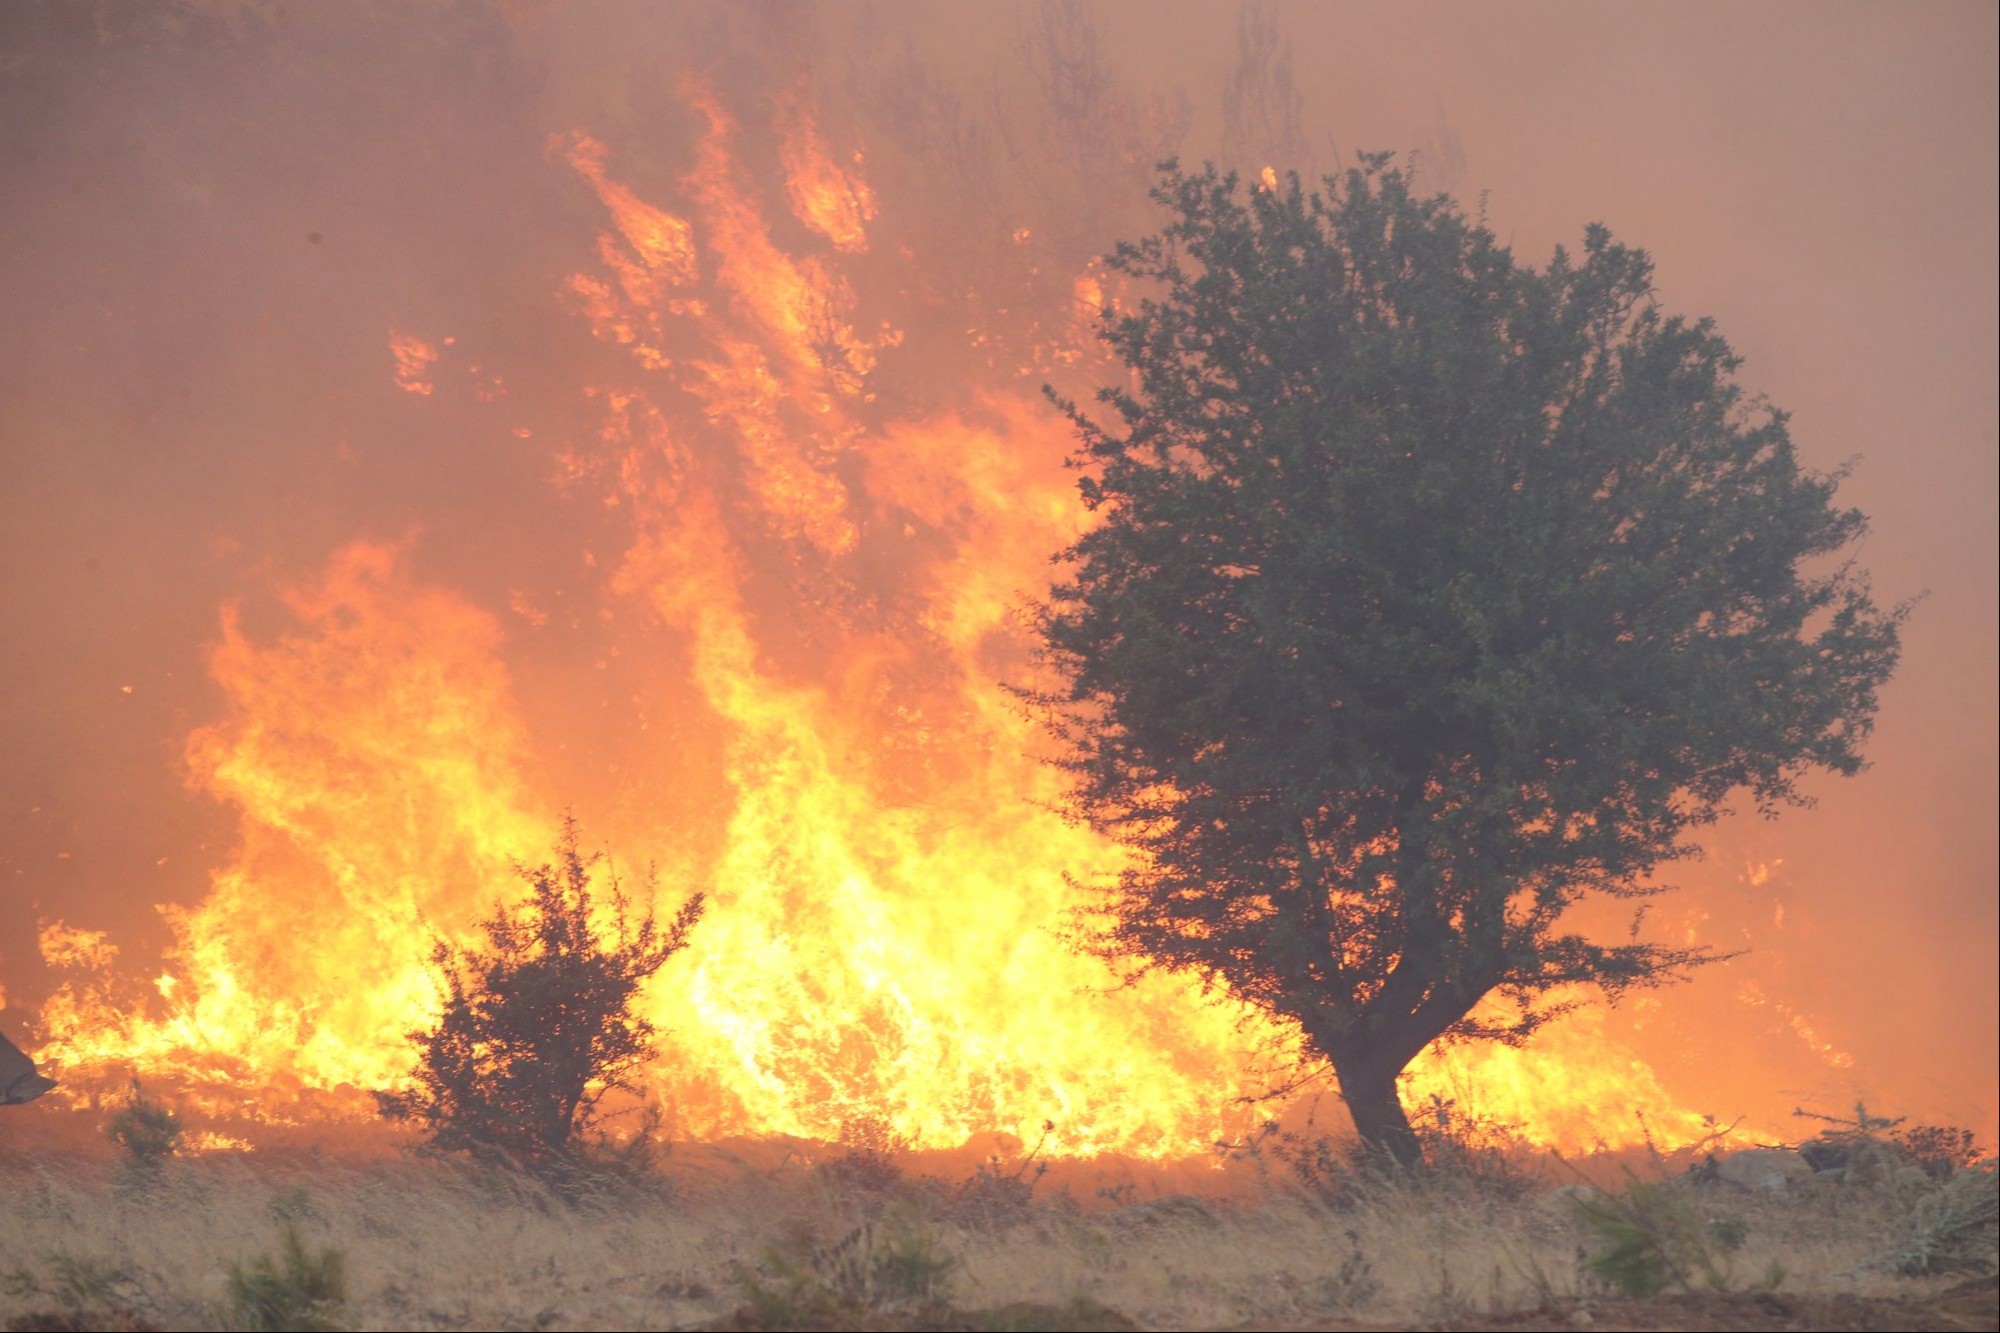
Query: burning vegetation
point(1342, 677)
point(1152, 701)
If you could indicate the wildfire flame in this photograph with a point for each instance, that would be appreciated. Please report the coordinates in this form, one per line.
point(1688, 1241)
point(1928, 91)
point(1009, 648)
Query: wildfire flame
point(414, 358)
point(827, 583)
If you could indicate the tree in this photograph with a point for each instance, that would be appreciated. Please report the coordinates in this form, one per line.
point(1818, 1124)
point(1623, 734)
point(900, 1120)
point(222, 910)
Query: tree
point(538, 1025)
point(1429, 595)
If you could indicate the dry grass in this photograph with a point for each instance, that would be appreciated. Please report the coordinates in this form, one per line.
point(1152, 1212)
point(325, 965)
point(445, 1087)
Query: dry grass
point(438, 1245)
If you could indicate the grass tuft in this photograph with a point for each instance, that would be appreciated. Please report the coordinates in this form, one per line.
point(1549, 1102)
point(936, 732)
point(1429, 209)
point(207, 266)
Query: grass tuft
point(297, 1289)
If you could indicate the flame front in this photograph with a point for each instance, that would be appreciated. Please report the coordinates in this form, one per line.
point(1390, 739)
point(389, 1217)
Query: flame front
point(821, 579)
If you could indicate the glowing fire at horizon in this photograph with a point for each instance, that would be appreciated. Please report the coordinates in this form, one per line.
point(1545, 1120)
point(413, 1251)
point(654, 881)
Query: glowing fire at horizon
point(826, 582)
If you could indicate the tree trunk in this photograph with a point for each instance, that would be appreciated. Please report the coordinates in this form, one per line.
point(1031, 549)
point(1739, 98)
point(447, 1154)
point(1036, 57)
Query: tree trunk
point(1370, 1094)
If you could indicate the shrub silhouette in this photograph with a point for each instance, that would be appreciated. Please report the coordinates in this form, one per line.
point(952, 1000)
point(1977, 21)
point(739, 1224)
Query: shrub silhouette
point(147, 1132)
point(538, 1024)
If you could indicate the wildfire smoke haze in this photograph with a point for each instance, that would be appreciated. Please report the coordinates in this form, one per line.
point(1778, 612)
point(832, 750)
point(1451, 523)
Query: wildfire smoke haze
point(638, 412)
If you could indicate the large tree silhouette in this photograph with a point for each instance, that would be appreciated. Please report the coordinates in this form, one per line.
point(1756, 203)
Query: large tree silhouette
point(1430, 593)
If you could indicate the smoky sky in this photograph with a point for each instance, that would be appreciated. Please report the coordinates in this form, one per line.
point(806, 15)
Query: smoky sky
point(214, 214)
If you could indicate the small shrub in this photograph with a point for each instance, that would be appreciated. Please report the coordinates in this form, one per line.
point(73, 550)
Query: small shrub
point(1445, 1302)
point(1461, 1150)
point(1879, 1153)
point(1000, 1192)
point(77, 1294)
point(292, 1205)
point(1330, 1172)
point(1321, 1165)
point(1349, 1286)
point(1953, 1229)
point(147, 1132)
point(296, 1289)
point(1862, 1124)
point(793, 1300)
point(851, 1283)
point(1476, 1150)
point(598, 1169)
point(1651, 1239)
point(1940, 1150)
point(70, 1282)
point(870, 1158)
point(909, 1269)
point(537, 1025)
point(1856, 1145)
point(1123, 1194)
point(1079, 1315)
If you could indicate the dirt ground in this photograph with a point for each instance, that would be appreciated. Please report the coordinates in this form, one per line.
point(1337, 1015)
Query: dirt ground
point(1972, 1305)
point(1967, 1307)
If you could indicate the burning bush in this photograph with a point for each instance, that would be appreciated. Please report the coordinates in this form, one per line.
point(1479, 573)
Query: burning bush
point(538, 1025)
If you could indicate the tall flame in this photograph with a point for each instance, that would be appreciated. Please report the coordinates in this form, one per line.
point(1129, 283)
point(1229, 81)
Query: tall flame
point(373, 752)
point(834, 201)
point(825, 585)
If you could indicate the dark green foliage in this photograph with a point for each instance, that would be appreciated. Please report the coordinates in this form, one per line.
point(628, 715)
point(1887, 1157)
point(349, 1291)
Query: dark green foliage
point(295, 1289)
point(1429, 595)
point(538, 1025)
point(147, 1132)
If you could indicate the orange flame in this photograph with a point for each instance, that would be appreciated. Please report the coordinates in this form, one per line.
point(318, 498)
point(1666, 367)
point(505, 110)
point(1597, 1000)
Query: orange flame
point(414, 358)
point(885, 868)
point(373, 755)
point(833, 201)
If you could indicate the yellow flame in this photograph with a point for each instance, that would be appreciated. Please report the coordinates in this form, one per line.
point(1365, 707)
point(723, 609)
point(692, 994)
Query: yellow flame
point(372, 752)
point(68, 947)
point(887, 873)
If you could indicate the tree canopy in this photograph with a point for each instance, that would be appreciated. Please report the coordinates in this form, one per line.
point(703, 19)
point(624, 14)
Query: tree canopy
point(1429, 593)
